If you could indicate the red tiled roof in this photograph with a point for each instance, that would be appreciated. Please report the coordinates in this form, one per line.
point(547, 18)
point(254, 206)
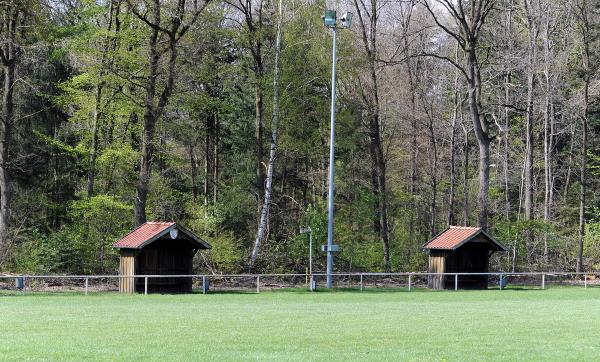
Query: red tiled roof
point(142, 234)
point(452, 237)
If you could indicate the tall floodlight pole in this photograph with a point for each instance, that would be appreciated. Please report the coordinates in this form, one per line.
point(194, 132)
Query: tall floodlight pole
point(330, 21)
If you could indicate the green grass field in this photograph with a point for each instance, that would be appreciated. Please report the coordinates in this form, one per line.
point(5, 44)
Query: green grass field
point(553, 324)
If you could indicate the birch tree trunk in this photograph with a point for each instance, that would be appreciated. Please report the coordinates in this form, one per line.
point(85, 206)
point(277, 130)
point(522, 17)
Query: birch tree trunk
point(507, 112)
point(263, 224)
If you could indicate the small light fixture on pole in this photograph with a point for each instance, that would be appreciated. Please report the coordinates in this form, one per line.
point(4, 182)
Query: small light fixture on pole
point(330, 21)
point(308, 230)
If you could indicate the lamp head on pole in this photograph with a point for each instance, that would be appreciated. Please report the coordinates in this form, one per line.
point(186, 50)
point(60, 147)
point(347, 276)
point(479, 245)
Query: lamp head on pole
point(304, 230)
point(346, 19)
point(330, 18)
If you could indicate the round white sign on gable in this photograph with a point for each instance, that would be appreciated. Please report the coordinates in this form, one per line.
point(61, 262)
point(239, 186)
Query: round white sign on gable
point(174, 234)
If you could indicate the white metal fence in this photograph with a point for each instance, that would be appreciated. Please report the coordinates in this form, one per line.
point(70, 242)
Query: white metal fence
point(256, 282)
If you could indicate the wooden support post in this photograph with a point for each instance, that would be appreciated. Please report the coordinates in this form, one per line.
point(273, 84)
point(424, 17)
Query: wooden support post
point(361, 282)
point(455, 282)
point(409, 282)
point(203, 284)
point(86, 286)
point(258, 284)
point(543, 281)
point(585, 281)
point(145, 285)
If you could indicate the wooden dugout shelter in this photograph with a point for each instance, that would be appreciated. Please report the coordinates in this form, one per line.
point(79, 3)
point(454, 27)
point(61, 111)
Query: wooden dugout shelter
point(158, 248)
point(460, 249)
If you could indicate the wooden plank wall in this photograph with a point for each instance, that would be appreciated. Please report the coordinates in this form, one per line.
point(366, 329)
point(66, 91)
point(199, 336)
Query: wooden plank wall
point(436, 265)
point(127, 267)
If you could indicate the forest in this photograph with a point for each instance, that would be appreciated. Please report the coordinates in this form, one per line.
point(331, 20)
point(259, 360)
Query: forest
point(215, 114)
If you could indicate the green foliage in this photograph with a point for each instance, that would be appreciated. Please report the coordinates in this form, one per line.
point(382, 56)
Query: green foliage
point(226, 255)
point(227, 252)
point(82, 247)
point(591, 246)
point(81, 98)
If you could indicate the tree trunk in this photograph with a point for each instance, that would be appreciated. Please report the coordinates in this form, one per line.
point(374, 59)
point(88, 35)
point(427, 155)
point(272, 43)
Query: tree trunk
point(5, 126)
point(582, 186)
point(378, 163)
point(507, 112)
point(569, 164)
point(149, 125)
point(452, 196)
point(154, 109)
point(193, 171)
point(483, 140)
point(470, 20)
point(585, 29)
point(548, 134)
point(94, 151)
point(371, 96)
point(456, 104)
point(506, 150)
point(263, 224)
point(484, 182)
point(9, 64)
point(259, 126)
point(108, 45)
point(531, 58)
point(433, 220)
point(216, 161)
point(466, 211)
point(208, 160)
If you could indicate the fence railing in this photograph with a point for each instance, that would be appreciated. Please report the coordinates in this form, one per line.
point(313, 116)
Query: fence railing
point(247, 282)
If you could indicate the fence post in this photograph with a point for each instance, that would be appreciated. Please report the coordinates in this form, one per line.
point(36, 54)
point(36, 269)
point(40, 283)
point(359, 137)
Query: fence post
point(145, 285)
point(204, 284)
point(86, 286)
point(409, 282)
point(361, 282)
point(455, 282)
point(543, 281)
point(258, 283)
point(585, 281)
